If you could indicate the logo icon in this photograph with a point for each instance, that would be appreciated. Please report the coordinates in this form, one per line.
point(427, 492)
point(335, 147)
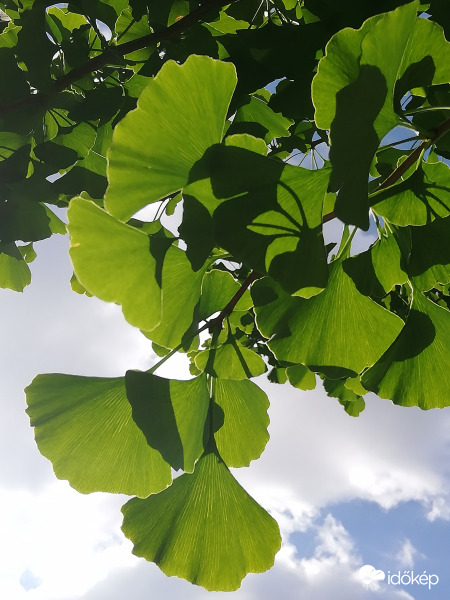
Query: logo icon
point(371, 577)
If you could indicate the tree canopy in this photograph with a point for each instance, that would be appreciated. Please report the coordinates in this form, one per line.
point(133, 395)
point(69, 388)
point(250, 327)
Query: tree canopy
point(241, 128)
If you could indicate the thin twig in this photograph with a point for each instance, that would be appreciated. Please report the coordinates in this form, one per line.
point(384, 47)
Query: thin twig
point(113, 53)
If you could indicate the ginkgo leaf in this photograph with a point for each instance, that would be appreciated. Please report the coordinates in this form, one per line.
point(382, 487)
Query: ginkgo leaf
point(249, 142)
point(429, 262)
point(253, 197)
point(171, 414)
point(205, 528)
point(353, 403)
point(424, 196)
point(231, 360)
point(113, 261)
point(257, 113)
point(218, 288)
point(377, 270)
point(411, 372)
point(357, 92)
point(15, 274)
point(85, 427)
point(339, 328)
point(155, 146)
point(301, 377)
point(177, 309)
point(243, 435)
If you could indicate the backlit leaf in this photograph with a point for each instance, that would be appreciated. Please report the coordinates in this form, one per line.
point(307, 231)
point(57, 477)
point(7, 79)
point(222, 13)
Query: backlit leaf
point(410, 373)
point(339, 328)
point(113, 261)
point(234, 535)
point(155, 146)
point(171, 414)
point(243, 435)
point(84, 426)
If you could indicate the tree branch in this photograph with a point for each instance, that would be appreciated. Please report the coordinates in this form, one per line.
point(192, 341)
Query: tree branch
point(226, 312)
point(112, 53)
point(415, 154)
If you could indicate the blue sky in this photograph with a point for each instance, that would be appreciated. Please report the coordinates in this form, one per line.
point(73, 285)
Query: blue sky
point(346, 492)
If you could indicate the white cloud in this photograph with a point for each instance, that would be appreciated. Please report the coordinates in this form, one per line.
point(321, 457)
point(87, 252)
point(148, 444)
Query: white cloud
point(406, 556)
point(67, 544)
point(56, 543)
point(440, 509)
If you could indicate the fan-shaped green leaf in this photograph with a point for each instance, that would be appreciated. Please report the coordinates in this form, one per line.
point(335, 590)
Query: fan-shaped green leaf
point(377, 270)
point(338, 328)
point(429, 262)
point(352, 403)
point(358, 89)
point(249, 142)
point(14, 271)
point(268, 215)
point(84, 426)
point(301, 377)
point(155, 146)
point(231, 360)
point(177, 309)
point(243, 435)
point(218, 288)
point(171, 414)
point(424, 196)
point(113, 261)
point(411, 372)
point(205, 528)
point(256, 116)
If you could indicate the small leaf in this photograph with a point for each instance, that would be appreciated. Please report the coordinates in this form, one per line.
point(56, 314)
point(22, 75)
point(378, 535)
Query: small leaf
point(243, 435)
point(177, 308)
point(218, 288)
point(256, 112)
point(301, 377)
point(205, 528)
point(232, 360)
point(84, 426)
point(377, 270)
point(14, 271)
point(171, 414)
point(352, 403)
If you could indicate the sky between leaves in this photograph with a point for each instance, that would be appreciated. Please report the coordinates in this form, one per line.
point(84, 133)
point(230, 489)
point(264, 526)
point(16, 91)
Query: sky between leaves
point(319, 545)
point(345, 491)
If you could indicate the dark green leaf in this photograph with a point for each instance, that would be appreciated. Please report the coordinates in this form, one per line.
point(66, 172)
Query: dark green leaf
point(171, 414)
point(339, 328)
point(410, 373)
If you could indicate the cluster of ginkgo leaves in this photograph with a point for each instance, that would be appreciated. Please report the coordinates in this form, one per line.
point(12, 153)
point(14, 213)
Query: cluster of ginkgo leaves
point(204, 110)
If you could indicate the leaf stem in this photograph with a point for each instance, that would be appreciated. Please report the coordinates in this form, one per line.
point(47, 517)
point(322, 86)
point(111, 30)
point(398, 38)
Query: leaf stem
point(226, 312)
point(212, 324)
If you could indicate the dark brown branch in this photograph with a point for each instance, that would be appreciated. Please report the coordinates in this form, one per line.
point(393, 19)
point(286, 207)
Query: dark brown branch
point(226, 312)
point(113, 53)
point(415, 155)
